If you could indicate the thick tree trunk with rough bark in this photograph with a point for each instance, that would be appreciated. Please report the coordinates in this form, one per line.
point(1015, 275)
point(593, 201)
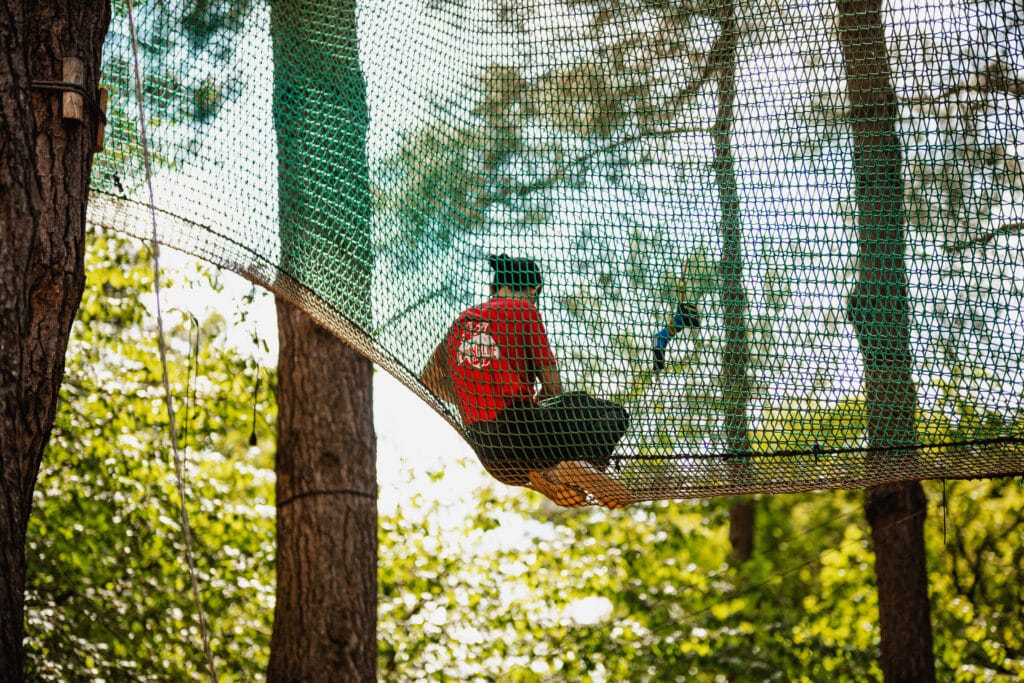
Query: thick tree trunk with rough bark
point(879, 312)
point(44, 182)
point(325, 618)
point(326, 615)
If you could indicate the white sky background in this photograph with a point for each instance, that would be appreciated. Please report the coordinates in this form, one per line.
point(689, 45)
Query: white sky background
point(406, 38)
point(791, 199)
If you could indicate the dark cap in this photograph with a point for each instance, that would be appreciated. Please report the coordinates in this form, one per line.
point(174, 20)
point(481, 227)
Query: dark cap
point(517, 273)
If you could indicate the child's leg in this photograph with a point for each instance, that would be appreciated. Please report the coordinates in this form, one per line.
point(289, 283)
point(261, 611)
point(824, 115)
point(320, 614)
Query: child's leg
point(586, 428)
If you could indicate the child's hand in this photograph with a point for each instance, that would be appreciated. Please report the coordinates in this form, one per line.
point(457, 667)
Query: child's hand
point(687, 315)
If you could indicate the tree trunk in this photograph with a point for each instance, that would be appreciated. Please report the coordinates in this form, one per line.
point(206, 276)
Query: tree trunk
point(44, 182)
point(879, 312)
point(896, 513)
point(321, 120)
point(325, 618)
point(741, 529)
point(736, 354)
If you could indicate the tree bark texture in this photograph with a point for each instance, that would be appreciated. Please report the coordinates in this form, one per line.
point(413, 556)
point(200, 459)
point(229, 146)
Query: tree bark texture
point(741, 529)
point(326, 612)
point(879, 311)
point(45, 164)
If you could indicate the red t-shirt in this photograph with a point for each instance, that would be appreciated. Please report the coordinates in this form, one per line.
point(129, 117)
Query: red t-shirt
point(494, 352)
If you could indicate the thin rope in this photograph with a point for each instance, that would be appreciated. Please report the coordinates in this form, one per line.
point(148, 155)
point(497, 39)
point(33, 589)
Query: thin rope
point(255, 361)
point(255, 400)
point(179, 470)
point(193, 379)
point(61, 86)
point(324, 492)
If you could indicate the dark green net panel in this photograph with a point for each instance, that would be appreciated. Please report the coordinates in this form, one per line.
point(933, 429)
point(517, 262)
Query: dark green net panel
point(835, 189)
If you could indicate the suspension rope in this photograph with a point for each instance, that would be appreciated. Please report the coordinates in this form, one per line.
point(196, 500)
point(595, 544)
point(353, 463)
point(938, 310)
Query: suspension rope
point(63, 86)
point(179, 469)
point(193, 378)
point(312, 493)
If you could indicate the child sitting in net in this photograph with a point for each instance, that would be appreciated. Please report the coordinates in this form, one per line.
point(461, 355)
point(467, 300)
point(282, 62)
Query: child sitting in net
point(490, 363)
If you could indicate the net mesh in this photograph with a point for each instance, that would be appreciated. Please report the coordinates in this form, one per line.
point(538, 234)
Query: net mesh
point(780, 242)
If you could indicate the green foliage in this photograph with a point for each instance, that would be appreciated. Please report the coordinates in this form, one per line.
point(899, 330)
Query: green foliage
point(108, 592)
point(649, 593)
point(977, 575)
point(670, 607)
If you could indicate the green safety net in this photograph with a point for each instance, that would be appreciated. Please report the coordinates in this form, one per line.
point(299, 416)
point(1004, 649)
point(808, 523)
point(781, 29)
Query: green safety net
point(814, 209)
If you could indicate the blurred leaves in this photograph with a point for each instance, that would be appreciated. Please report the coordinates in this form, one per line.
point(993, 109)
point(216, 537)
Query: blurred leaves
point(648, 594)
point(108, 595)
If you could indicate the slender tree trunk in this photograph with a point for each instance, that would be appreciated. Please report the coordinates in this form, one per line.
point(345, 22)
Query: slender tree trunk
point(736, 355)
point(325, 617)
point(741, 529)
point(44, 182)
point(879, 312)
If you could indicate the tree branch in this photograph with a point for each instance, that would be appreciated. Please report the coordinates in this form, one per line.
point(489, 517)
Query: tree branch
point(714, 60)
point(559, 173)
point(981, 240)
point(993, 79)
point(711, 67)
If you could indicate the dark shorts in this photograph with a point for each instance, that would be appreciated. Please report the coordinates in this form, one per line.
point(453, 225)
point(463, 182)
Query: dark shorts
point(530, 436)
